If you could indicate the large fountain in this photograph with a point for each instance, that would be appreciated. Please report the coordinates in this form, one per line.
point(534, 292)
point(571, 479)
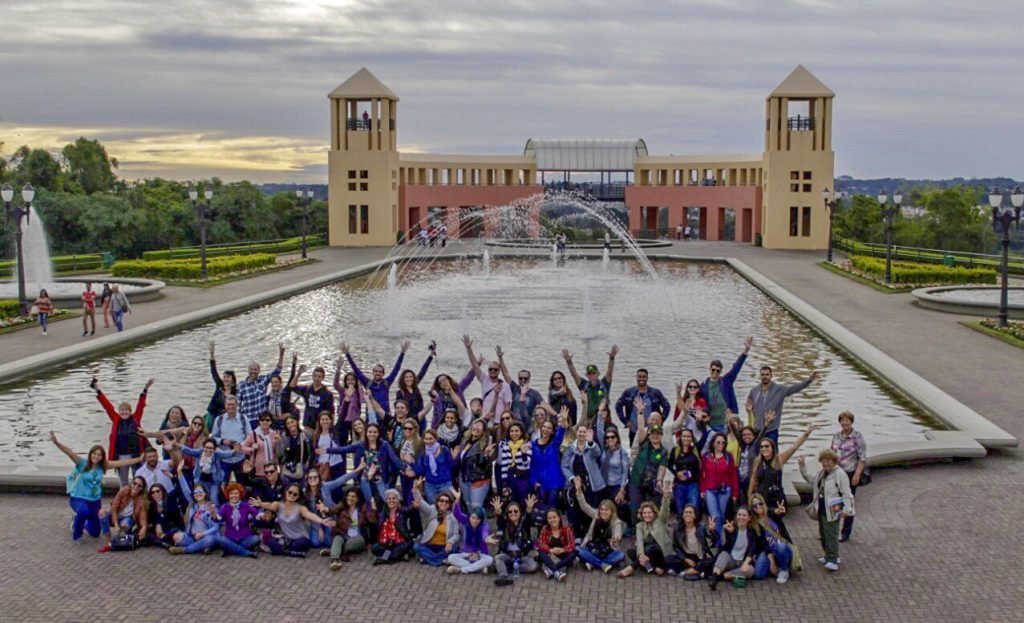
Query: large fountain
point(64, 292)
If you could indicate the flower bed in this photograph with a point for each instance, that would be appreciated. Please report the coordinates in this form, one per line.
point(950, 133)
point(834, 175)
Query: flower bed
point(914, 275)
point(1015, 330)
point(187, 269)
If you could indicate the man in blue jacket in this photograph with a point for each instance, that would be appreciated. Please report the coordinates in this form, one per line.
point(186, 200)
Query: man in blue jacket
point(719, 390)
point(652, 398)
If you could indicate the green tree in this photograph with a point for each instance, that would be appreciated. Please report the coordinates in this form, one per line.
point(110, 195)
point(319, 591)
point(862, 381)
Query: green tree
point(861, 220)
point(39, 168)
point(89, 165)
point(956, 224)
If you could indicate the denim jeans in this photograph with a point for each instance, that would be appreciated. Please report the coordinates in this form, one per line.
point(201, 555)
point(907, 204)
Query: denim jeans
point(87, 517)
point(686, 493)
point(319, 536)
point(432, 490)
point(239, 548)
point(118, 319)
point(554, 563)
point(614, 558)
point(474, 497)
point(123, 472)
point(717, 503)
point(433, 555)
point(43, 320)
point(783, 556)
point(210, 540)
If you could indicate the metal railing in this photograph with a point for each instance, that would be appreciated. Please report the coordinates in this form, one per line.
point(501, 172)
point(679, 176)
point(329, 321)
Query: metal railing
point(800, 124)
point(933, 256)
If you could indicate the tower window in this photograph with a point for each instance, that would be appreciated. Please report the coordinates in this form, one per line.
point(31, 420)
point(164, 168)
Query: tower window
point(794, 175)
point(807, 175)
point(364, 186)
point(351, 174)
point(364, 218)
point(806, 225)
point(364, 174)
point(807, 188)
point(352, 219)
point(794, 188)
point(794, 221)
point(352, 186)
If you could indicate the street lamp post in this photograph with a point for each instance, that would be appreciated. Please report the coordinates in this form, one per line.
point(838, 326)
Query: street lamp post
point(1005, 217)
point(888, 212)
point(305, 198)
point(16, 214)
point(201, 210)
point(831, 203)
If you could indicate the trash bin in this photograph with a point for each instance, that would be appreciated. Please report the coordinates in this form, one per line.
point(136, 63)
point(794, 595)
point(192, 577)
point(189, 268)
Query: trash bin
point(949, 260)
point(108, 260)
point(757, 240)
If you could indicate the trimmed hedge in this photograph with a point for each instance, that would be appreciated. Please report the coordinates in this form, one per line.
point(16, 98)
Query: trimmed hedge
point(9, 308)
point(278, 246)
point(191, 268)
point(923, 274)
point(65, 263)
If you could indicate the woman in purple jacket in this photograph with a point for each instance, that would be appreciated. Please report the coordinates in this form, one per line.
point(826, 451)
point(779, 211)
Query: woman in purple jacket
point(474, 554)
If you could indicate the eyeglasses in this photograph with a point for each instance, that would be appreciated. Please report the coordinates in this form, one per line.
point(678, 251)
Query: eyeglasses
point(693, 387)
point(513, 511)
point(608, 437)
point(757, 505)
point(444, 501)
point(493, 369)
point(295, 493)
point(506, 419)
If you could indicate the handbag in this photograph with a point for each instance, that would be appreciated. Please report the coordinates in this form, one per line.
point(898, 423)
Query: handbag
point(124, 542)
point(812, 511)
point(797, 562)
point(34, 310)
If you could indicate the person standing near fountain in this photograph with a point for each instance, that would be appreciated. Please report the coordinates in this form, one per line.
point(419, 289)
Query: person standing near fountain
point(525, 399)
point(44, 307)
point(88, 309)
point(379, 385)
point(651, 397)
point(119, 306)
point(252, 390)
point(317, 396)
point(596, 387)
point(496, 395)
point(105, 304)
point(126, 440)
point(769, 396)
point(719, 391)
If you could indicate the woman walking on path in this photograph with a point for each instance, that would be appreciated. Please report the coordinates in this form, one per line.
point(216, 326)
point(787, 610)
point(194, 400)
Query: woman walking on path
point(88, 309)
point(85, 486)
point(44, 307)
point(105, 295)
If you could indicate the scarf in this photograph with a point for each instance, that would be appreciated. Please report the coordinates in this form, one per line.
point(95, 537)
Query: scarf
point(431, 459)
point(515, 446)
point(448, 434)
point(206, 463)
point(268, 444)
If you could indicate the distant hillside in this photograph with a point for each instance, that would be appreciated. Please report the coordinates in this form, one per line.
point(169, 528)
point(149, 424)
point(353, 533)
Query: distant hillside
point(872, 187)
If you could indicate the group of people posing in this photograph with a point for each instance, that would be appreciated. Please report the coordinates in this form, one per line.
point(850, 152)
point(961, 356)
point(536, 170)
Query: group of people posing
point(516, 480)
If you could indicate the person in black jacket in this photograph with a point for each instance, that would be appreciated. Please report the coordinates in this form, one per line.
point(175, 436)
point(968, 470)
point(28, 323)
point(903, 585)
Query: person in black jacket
point(693, 551)
point(164, 516)
point(515, 542)
point(743, 542)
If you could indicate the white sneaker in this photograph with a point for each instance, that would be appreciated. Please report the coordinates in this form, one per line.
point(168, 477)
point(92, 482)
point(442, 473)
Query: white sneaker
point(452, 570)
point(548, 573)
point(831, 566)
point(783, 577)
point(824, 560)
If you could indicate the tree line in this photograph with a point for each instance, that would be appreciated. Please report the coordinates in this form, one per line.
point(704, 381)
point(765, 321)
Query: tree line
point(87, 208)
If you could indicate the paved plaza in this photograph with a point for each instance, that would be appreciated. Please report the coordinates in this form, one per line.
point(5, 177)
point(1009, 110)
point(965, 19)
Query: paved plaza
point(932, 543)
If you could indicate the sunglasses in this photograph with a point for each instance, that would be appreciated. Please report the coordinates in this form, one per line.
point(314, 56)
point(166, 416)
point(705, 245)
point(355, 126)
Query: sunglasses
point(506, 419)
point(524, 379)
point(766, 445)
point(607, 437)
point(264, 419)
point(493, 369)
point(270, 471)
point(295, 493)
point(409, 428)
point(513, 512)
point(443, 501)
point(693, 387)
point(757, 505)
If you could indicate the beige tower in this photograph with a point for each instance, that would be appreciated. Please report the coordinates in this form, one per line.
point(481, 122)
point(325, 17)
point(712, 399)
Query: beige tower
point(362, 166)
point(799, 163)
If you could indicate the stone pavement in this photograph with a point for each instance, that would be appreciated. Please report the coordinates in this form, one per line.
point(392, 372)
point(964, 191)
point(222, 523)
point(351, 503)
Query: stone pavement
point(936, 542)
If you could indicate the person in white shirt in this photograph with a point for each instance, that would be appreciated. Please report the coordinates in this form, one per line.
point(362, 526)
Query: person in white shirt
point(153, 470)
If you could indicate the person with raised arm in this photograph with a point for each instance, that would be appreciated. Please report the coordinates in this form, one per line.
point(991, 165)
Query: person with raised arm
point(719, 480)
point(350, 401)
point(649, 458)
point(515, 541)
point(719, 390)
point(408, 382)
point(769, 396)
point(379, 385)
point(595, 386)
point(473, 555)
point(600, 546)
point(525, 399)
point(224, 385)
point(741, 544)
point(653, 539)
point(316, 395)
point(445, 395)
point(495, 393)
point(126, 442)
point(766, 475)
point(252, 390)
point(546, 477)
point(292, 516)
point(379, 459)
point(441, 531)
point(85, 486)
point(209, 469)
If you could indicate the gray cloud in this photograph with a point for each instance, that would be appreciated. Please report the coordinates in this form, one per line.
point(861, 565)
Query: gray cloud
point(923, 88)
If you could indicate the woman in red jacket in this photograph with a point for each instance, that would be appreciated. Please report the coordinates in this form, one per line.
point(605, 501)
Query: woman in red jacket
point(556, 546)
point(719, 480)
point(126, 442)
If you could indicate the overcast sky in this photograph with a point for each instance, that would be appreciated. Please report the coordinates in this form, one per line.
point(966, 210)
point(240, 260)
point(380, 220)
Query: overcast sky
point(193, 88)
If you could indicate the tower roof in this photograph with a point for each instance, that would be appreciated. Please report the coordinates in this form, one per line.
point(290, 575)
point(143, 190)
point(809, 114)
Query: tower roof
point(362, 85)
point(801, 83)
